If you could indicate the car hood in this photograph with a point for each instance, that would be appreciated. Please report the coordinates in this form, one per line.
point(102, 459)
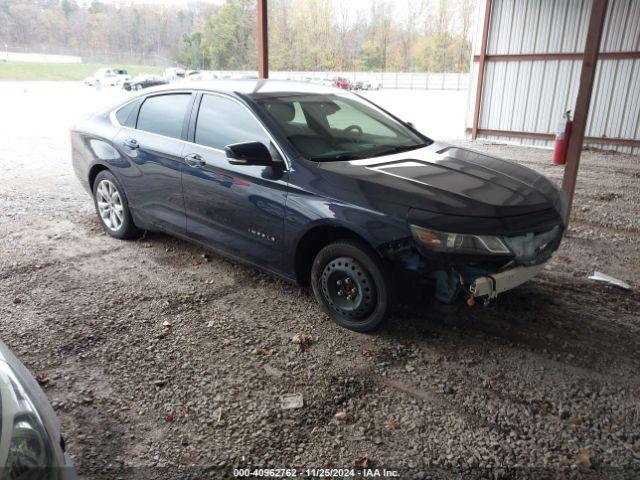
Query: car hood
point(450, 181)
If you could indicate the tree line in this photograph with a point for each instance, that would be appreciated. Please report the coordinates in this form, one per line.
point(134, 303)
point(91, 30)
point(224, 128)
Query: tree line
point(312, 35)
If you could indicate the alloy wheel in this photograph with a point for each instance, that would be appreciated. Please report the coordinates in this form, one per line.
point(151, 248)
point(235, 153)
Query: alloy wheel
point(110, 205)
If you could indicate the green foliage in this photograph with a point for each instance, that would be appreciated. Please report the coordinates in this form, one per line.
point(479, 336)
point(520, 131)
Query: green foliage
point(190, 52)
point(229, 37)
point(381, 35)
point(33, 71)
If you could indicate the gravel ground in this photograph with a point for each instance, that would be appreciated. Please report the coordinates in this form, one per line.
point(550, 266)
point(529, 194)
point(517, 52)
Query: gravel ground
point(544, 383)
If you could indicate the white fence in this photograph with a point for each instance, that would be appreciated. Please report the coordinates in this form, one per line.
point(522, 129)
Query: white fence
point(6, 56)
point(398, 80)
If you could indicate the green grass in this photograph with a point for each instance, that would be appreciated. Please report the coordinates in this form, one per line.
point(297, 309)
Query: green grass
point(25, 71)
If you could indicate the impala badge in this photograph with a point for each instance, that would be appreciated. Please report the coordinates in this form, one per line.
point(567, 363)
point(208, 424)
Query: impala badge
point(262, 235)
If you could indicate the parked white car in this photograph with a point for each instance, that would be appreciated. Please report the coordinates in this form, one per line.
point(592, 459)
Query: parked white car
point(108, 77)
point(172, 74)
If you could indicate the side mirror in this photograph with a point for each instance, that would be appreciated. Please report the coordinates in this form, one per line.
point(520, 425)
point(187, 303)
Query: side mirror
point(249, 153)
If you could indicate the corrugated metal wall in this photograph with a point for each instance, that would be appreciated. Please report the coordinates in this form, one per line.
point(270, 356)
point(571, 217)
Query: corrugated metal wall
point(530, 96)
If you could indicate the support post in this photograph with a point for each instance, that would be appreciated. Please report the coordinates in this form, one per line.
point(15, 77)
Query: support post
point(583, 100)
point(481, 60)
point(263, 40)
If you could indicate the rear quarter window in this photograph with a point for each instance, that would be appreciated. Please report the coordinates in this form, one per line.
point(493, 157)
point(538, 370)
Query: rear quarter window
point(123, 113)
point(164, 114)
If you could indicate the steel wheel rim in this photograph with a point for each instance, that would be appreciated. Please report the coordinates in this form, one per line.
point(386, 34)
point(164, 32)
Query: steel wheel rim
point(110, 206)
point(348, 288)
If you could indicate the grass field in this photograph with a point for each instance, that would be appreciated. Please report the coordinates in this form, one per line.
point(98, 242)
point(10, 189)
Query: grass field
point(25, 71)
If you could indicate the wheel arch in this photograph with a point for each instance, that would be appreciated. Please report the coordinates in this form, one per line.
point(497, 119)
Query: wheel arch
point(316, 238)
point(94, 171)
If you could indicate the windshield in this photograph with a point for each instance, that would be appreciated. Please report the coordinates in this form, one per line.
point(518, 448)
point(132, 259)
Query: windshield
point(329, 127)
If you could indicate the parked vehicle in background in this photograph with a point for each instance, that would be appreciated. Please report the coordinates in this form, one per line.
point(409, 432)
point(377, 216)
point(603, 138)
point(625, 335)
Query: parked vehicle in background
point(362, 85)
point(341, 82)
point(327, 82)
point(193, 75)
point(31, 445)
point(319, 186)
point(108, 77)
point(208, 75)
point(144, 81)
point(375, 83)
point(173, 73)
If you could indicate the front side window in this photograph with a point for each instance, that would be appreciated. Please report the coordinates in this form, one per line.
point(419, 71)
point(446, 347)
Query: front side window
point(326, 127)
point(164, 114)
point(222, 121)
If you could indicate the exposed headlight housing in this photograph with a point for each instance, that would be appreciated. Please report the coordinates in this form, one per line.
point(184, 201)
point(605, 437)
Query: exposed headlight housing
point(29, 453)
point(445, 242)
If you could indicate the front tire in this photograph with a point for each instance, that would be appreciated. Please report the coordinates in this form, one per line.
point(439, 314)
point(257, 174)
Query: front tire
point(112, 207)
point(350, 283)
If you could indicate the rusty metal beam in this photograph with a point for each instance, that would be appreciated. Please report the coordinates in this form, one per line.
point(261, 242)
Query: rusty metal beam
point(483, 54)
point(519, 57)
point(583, 101)
point(263, 40)
point(515, 134)
point(624, 142)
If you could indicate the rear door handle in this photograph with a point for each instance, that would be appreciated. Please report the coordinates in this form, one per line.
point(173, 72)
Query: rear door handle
point(132, 143)
point(194, 160)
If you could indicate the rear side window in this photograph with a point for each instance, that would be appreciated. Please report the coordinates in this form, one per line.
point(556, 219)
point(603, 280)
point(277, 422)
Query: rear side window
point(164, 114)
point(222, 121)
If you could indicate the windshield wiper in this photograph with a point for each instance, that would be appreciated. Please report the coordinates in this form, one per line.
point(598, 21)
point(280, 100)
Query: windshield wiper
point(342, 156)
point(400, 148)
point(374, 152)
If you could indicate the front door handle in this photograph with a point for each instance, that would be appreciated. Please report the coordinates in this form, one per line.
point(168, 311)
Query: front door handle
point(194, 160)
point(132, 143)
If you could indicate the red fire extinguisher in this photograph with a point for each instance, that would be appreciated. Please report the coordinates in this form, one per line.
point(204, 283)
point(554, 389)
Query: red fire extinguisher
point(562, 139)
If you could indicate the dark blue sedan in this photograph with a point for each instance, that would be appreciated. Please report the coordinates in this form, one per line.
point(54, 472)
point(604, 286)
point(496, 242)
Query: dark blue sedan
point(319, 186)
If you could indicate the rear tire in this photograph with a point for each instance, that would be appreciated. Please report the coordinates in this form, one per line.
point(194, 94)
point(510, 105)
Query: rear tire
point(112, 207)
point(352, 286)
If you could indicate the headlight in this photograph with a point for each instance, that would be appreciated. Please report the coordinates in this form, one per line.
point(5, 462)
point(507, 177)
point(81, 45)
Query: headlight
point(459, 243)
point(30, 454)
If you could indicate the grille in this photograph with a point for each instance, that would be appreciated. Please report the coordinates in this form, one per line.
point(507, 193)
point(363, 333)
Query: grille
point(534, 249)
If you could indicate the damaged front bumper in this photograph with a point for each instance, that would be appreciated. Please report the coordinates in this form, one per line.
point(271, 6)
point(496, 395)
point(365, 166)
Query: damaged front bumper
point(478, 277)
point(489, 286)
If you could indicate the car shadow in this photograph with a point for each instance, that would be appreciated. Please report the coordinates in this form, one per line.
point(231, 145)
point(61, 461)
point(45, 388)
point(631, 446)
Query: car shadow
point(555, 315)
point(563, 318)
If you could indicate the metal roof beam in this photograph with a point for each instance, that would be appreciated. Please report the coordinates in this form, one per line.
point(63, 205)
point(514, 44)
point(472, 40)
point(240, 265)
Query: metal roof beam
point(482, 57)
point(263, 40)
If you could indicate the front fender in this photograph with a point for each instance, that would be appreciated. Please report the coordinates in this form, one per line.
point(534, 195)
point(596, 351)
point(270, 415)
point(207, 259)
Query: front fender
point(303, 213)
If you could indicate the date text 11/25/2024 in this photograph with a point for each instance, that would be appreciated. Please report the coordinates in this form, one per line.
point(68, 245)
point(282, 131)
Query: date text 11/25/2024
point(317, 473)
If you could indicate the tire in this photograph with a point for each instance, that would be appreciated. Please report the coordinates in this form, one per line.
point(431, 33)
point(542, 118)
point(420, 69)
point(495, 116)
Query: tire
point(112, 207)
point(352, 286)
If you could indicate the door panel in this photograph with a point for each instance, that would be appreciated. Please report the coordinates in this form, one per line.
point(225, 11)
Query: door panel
point(155, 150)
point(153, 186)
point(238, 208)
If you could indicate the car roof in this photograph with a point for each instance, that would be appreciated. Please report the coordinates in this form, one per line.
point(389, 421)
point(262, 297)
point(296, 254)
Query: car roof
point(252, 87)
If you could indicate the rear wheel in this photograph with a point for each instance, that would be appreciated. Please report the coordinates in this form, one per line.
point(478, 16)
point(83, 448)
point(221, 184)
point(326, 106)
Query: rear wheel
point(112, 206)
point(349, 282)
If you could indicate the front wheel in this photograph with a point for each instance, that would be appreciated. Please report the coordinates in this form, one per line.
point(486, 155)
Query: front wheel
point(350, 283)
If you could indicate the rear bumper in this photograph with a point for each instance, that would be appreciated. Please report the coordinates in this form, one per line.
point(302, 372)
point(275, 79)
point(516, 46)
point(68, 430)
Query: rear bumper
point(492, 285)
